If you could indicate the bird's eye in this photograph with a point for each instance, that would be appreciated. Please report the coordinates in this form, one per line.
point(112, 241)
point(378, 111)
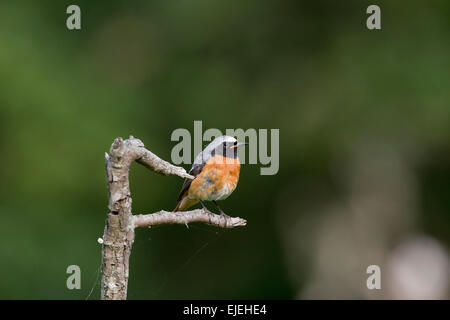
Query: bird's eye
point(235, 143)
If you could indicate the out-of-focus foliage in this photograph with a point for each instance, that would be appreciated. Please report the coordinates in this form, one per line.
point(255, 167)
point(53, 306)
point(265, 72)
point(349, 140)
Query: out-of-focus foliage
point(364, 119)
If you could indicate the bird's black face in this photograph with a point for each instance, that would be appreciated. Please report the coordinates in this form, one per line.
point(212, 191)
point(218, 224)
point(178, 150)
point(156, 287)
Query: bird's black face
point(230, 149)
point(227, 149)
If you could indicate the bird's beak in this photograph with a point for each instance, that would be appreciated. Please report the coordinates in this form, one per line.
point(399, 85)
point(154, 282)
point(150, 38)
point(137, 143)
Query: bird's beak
point(241, 144)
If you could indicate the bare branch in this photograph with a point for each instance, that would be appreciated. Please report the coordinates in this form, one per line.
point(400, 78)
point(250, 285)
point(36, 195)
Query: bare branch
point(118, 236)
point(200, 215)
point(153, 162)
point(136, 150)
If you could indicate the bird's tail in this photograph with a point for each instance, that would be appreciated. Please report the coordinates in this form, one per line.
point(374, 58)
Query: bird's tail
point(177, 208)
point(185, 203)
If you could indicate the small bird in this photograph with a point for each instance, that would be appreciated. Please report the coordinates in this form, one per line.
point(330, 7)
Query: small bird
point(216, 171)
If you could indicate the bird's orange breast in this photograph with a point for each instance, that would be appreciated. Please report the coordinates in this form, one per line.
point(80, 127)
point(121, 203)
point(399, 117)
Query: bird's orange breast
point(217, 180)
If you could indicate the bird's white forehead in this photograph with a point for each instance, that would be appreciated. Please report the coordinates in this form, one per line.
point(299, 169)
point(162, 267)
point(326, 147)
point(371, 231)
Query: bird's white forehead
point(218, 141)
point(222, 139)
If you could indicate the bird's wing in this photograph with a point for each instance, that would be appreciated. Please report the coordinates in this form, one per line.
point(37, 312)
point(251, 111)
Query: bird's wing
point(195, 170)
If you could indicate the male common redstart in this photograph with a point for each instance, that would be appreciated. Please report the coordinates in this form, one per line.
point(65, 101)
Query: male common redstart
point(216, 171)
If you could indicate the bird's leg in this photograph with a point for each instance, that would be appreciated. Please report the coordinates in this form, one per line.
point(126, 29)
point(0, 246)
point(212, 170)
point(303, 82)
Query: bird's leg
point(204, 207)
point(221, 211)
point(222, 214)
point(207, 210)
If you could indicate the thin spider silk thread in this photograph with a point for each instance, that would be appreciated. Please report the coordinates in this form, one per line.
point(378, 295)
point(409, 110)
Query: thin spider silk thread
point(189, 260)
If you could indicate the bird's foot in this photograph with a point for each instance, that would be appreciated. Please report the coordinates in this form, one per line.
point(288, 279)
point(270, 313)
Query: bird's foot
point(205, 208)
point(224, 216)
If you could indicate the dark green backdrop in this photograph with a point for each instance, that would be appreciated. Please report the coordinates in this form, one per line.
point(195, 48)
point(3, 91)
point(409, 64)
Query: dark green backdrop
point(362, 115)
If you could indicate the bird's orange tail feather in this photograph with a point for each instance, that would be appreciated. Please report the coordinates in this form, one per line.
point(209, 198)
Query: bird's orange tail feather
point(177, 208)
point(184, 204)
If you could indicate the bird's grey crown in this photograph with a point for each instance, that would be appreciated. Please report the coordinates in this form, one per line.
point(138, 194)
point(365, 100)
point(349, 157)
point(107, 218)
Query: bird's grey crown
point(203, 156)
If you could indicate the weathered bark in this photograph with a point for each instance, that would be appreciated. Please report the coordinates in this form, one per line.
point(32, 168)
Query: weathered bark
point(120, 224)
point(200, 215)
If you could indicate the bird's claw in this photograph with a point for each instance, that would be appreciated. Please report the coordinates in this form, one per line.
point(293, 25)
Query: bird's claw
point(225, 217)
point(223, 214)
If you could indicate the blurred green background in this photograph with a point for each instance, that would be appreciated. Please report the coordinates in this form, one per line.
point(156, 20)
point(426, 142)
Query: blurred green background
point(364, 125)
